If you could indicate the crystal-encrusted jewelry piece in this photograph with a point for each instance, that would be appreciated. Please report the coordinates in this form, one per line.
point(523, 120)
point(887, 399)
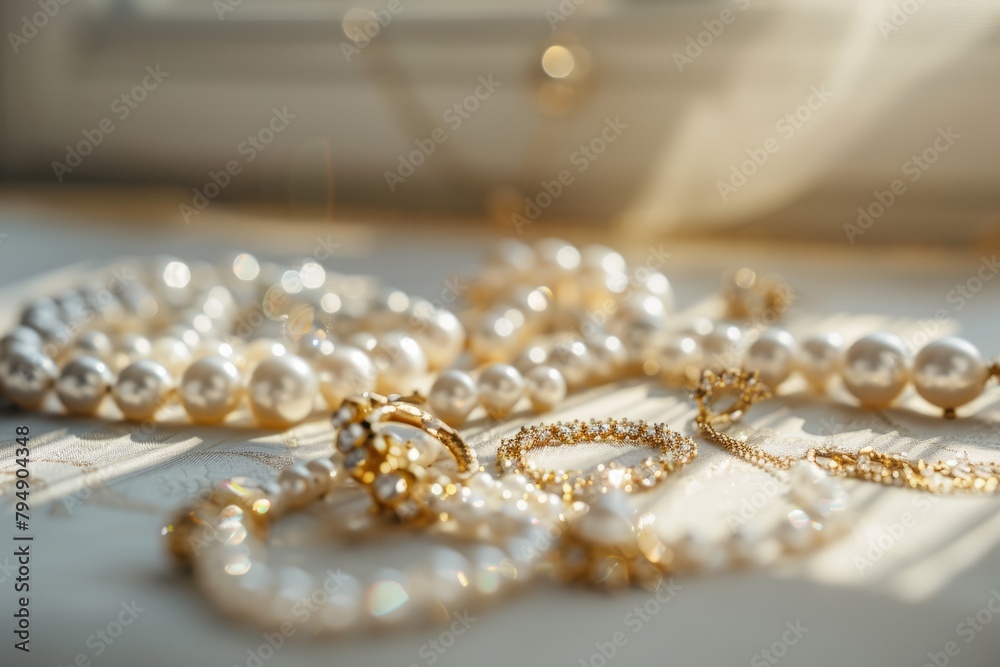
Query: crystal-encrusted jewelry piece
point(398, 452)
point(673, 451)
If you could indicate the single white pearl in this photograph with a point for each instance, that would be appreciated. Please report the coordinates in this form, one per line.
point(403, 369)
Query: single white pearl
point(186, 334)
point(720, 347)
point(172, 353)
point(347, 371)
point(400, 361)
point(680, 359)
point(94, 344)
point(297, 486)
point(545, 387)
point(250, 590)
point(772, 355)
point(142, 388)
point(83, 383)
point(556, 256)
point(324, 474)
point(820, 358)
point(447, 577)
point(131, 347)
point(876, 369)
point(531, 356)
point(260, 349)
point(949, 372)
point(453, 396)
point(363, 340)
point(500, 387)
point(219, 348)
point(534, 303)
point(573, 360)
point(47, 322)
point(21, 336)
point(440, 334)
point(210, 389)
point(608, 522)
point(342, 609)
point(643, 327)
point(282, 391)
point(26, 376)
point(292, 586)
point(525, 555)
point(495, 337)
point(483, 483)
point(608, 356)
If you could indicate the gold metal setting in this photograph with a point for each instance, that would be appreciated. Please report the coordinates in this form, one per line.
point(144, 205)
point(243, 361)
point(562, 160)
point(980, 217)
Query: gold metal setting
point(401, 471)
point(749, 295)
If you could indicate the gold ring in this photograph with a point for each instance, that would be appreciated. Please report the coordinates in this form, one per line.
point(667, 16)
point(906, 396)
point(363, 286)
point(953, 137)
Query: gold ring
point(393, 449)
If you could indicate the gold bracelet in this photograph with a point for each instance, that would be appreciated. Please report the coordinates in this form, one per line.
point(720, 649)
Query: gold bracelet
point(676, 451)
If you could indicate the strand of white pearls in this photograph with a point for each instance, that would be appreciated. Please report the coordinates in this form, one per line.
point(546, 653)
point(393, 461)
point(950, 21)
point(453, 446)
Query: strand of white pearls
point(277, 338)
point(806, 509)
point(504, 527)
point(549, 318)
point(876, 369)
point(512, 527)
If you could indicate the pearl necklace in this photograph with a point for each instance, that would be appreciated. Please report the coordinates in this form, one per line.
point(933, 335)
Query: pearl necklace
point(164, 331)
point(948, 373)
point(545, 319)
point(550, 318)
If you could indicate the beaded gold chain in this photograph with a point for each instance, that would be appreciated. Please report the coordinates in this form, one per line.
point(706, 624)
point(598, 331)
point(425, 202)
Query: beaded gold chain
point(675, 451)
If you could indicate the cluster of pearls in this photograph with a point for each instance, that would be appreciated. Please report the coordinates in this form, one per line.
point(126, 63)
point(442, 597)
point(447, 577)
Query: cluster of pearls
point(498, 388)
point(549, 318)
point(277, 338)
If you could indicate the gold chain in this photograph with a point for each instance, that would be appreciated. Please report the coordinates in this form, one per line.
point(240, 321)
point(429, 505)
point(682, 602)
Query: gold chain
point(750, 391)
point(866, 464)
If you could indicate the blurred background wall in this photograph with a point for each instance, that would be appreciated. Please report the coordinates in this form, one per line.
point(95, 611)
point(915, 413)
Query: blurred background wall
point(829, 120)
